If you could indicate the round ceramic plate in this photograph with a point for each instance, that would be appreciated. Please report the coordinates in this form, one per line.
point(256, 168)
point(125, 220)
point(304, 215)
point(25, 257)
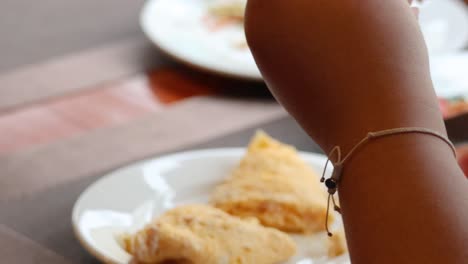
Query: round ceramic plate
point(445, 25)
point(449, 74)
point(180, 29)
point(126, 199)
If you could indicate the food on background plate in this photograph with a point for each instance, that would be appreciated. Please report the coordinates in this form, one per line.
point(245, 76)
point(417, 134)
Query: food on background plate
point(224, 14)
point(228, 9)
point(200, 234)
point(452, 107)
point(273, 184)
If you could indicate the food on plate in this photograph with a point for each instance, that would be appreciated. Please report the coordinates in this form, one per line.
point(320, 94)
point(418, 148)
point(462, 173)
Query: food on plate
point(201, 234)
point(275, 185)
point(270, 191)
point(228, 9)
point(224, 14)
point(337, 244)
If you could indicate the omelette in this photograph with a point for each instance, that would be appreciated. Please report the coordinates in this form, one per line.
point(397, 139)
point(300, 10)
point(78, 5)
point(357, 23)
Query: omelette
point(201, 234)
point(337, 244)
point(275, 185)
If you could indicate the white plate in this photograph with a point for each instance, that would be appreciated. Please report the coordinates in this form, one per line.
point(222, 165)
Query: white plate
point(126, 199)
point(449, 74)
point(178, 27)
point(445, 25)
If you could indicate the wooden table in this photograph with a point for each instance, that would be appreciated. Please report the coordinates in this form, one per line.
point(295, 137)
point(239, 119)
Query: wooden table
point(108, 103)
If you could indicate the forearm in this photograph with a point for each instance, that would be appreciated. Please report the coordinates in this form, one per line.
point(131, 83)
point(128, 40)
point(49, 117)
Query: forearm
point(404, 200)
point(346, 68)
point(341, 79)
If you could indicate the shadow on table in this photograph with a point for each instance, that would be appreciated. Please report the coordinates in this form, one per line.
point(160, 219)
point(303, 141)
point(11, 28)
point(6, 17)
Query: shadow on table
point(171, 81)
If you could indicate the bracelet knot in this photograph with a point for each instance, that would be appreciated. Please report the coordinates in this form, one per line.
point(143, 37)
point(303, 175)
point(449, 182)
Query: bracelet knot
point(333, 182)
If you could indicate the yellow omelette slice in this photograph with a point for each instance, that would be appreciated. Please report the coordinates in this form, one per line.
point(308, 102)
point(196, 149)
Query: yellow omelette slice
point(275, 185)
point(201, 234)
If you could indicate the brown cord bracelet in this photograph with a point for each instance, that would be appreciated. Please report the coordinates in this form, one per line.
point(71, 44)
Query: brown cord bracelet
point(332, 183)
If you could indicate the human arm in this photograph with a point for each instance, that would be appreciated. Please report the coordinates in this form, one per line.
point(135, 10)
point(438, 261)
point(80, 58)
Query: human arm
point(345, 68)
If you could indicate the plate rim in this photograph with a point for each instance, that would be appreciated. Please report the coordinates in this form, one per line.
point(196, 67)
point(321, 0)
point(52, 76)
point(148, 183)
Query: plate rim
point(187, 153)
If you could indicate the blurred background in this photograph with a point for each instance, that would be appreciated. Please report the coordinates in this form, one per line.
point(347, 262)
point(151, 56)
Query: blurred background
point(89, 86)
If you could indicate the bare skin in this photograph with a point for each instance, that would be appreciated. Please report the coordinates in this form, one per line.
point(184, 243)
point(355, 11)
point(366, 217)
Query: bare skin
point(345, 68)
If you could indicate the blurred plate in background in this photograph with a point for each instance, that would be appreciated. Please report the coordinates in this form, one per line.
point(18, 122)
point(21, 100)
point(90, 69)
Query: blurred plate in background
point(183, 30)
point(445, 25)
point(450, 74)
